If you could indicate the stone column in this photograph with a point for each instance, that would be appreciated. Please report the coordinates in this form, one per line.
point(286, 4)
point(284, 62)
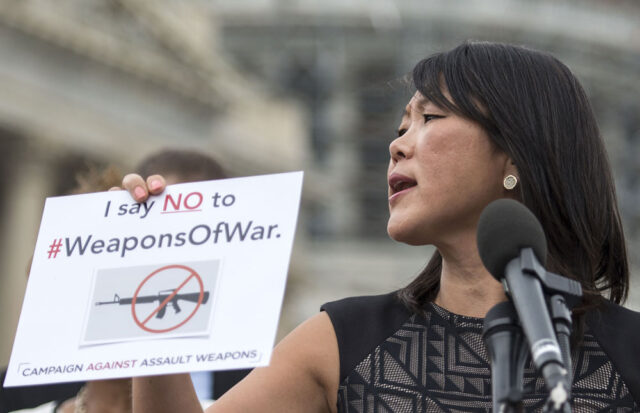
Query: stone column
point(24, 195)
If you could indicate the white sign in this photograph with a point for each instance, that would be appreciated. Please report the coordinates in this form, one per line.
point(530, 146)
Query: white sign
point(192, 279)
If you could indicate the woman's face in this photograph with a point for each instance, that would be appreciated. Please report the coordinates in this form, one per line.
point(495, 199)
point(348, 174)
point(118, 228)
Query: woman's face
point(443, 171)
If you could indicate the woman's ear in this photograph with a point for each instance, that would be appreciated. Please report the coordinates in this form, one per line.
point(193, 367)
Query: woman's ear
point(510, 168)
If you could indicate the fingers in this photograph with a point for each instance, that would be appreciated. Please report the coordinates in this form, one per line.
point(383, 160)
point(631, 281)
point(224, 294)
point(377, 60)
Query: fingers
point(136, 186)
point(156, 184)
point(139, 188)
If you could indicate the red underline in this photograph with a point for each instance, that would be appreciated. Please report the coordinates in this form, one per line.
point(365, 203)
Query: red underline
point(187, 210)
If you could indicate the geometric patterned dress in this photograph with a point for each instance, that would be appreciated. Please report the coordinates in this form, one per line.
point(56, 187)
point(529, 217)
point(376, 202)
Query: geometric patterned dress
point(438, 362)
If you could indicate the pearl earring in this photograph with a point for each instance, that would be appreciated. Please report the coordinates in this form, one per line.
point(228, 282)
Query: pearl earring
point(510, 182)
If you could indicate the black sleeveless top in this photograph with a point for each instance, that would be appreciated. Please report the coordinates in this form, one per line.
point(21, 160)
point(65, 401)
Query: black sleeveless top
point(394, 361)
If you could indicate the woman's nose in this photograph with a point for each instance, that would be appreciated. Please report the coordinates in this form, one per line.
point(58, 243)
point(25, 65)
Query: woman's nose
point(400, 148)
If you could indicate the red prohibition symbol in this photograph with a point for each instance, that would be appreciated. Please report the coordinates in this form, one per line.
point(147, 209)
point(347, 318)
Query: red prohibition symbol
point(192, 275)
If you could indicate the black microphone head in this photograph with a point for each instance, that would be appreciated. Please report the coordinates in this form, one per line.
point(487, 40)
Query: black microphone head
point(506, 227)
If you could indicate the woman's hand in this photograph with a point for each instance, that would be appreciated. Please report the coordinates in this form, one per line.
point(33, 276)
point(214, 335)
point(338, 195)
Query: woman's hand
point(112, 395)
point(141, 189)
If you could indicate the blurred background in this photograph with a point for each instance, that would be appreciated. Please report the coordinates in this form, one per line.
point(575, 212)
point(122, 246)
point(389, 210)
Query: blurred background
point(271, 86)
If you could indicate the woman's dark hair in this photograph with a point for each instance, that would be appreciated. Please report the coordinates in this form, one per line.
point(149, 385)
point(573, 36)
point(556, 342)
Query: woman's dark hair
point(535, 110)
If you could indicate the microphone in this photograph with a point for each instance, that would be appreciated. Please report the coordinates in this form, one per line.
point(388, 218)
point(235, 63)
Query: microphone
point(508, 353)
point(512, 246)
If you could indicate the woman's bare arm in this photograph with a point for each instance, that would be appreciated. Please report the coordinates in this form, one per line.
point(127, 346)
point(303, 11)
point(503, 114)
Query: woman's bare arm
point(302, 376)
point(169, 393)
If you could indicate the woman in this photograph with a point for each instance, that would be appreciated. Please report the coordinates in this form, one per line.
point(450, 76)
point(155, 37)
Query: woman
point(487, 121)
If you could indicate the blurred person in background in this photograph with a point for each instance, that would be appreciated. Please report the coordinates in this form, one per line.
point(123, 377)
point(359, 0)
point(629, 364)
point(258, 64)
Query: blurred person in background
point(487, 121)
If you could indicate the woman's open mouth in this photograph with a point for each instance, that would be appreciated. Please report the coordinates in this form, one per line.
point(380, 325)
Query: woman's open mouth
point(399, 184)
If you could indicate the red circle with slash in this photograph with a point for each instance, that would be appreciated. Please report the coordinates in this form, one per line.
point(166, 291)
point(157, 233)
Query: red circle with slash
point(165, 302)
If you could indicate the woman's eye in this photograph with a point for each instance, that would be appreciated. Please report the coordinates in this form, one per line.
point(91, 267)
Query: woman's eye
point(401, 132)
point(428, 117)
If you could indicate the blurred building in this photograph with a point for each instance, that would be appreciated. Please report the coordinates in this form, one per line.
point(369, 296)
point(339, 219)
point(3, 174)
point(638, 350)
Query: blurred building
point(86, 84)
point(346, 62)
point(270, 86)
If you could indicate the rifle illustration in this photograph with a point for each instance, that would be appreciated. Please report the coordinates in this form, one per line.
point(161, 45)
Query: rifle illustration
point(160, 297)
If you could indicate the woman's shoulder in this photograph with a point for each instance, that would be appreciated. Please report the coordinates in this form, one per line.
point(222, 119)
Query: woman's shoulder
point(366, 303)
point(362, 323)
point(373, 314)
point(613, 321)
point(617, 330)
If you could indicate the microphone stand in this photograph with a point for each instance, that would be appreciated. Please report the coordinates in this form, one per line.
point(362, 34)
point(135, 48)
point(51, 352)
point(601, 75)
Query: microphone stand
point(562, 324)
point(508, 353)
point(557, 375)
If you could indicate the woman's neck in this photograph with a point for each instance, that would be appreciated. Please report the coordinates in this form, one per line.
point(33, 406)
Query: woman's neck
point(466, 287)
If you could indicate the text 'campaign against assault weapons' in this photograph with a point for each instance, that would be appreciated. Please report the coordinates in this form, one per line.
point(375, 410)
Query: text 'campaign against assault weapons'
point(192, 279)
